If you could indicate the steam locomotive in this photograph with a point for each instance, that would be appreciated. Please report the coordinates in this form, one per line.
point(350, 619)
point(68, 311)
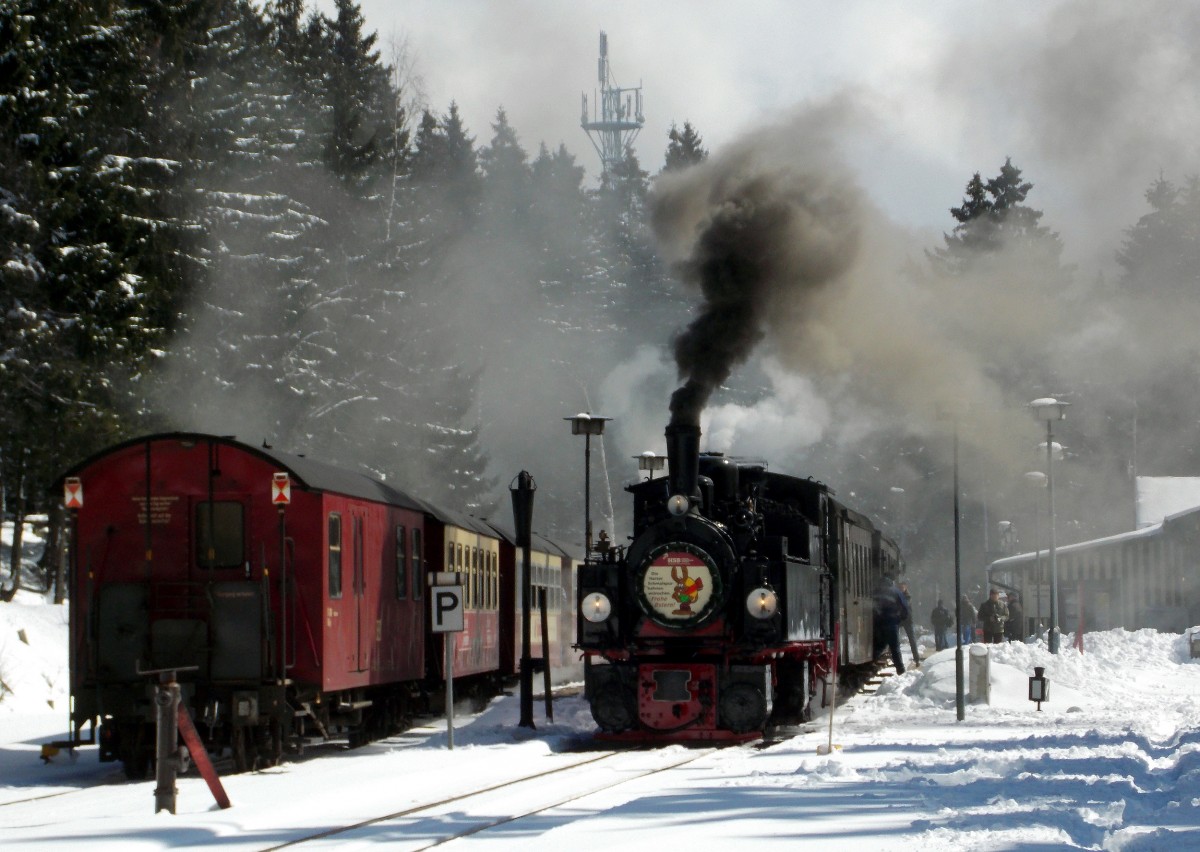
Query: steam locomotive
point(286, 594)
point(739, 594)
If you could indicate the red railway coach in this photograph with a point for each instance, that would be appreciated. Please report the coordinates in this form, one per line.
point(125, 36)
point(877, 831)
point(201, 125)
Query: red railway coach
point(286, 592)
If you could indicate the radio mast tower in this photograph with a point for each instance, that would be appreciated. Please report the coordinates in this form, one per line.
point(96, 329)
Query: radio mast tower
point(620, 115)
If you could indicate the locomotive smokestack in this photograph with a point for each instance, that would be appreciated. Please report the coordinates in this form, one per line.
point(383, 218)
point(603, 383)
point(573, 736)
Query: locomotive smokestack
point(683, 457)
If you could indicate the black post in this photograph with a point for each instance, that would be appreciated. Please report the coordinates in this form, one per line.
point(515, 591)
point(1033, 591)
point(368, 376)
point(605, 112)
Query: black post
point(283, 597)
point(587, 495)
point(522, 497)
point(959, 698)
point(166, 700)
point(1053, 638)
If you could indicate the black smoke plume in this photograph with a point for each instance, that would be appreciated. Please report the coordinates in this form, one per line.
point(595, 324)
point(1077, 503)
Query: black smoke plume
point(755, 238)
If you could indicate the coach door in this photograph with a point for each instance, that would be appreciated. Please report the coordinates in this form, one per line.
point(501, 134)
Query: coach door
point(221, 566)
point(361, 610)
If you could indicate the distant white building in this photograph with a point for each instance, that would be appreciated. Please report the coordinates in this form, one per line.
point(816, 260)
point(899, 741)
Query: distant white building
point(1147, 577)
point(1160, 496)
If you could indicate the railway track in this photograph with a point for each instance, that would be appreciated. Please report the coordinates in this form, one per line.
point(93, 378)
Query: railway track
point(432, 824)
point(38, 798)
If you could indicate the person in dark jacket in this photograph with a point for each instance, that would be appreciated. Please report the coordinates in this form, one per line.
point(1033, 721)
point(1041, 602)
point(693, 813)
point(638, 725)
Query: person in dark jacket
point(993, 613)
point(890, 610)
point(942, 622)
point(907, 624)
point(966, 619)
point(1014, 628)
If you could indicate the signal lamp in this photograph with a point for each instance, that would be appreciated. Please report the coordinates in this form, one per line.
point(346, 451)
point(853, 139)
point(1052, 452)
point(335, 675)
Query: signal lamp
point(1039, 686)
point(596, 607)
point(762, 602)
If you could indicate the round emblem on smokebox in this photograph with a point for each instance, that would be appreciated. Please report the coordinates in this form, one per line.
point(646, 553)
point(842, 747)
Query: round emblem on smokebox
point(680, 585)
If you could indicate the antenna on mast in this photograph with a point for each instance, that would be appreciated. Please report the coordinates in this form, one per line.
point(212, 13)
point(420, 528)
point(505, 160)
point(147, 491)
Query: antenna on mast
point(620, 117)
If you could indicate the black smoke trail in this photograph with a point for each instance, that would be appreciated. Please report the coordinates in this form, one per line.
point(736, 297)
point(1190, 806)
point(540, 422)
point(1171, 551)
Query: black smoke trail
point(753, 239)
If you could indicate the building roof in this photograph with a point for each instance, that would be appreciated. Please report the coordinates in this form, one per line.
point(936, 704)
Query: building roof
point(1096, 543)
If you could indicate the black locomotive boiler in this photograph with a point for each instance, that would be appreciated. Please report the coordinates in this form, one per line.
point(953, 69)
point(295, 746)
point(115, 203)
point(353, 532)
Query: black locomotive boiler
point(740, 592)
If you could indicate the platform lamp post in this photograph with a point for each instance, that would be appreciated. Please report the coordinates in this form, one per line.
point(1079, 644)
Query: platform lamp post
point(1051, 411)
point(1037, 479)
point(650, 462)
point(587, 424)
point(953, 413)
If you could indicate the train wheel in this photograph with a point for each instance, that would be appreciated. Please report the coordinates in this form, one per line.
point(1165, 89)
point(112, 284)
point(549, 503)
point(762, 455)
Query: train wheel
point(791, 693)
point(270, 745)
point(743, 708)
point(238, 745)
point(136, 751)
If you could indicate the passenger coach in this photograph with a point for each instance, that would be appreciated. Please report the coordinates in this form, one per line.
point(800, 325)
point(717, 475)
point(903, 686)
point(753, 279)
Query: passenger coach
point(287, 593)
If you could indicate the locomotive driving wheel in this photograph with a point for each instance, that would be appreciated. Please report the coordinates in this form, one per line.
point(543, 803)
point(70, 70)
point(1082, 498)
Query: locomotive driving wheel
point(743, 708)
point(238, 746)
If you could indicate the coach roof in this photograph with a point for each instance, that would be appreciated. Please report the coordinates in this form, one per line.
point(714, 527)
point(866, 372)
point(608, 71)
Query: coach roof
point(307, 473)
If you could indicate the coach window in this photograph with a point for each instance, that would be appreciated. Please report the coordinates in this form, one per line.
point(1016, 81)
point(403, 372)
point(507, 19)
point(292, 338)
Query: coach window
point(401, 562)
point(491, 578)
point(485, 577)
point(472, 586)
point(418, 564)
point(457, 562)
point(335, 555)
point(477, 577)
point(219, 541)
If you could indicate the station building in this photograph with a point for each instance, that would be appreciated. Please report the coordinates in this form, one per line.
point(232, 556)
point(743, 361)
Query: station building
point(1146, 577)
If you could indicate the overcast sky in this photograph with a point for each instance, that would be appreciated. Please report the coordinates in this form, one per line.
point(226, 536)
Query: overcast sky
point(1093, 100)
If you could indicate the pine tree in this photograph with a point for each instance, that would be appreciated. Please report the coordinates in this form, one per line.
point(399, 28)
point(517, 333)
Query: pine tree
point(445, 169)
point(685, 148)
point(506, 173)
point(249, 334)
point(359, 98)
point(85, 230)
point(993, 216)
point(1158, 295)
point(1161, 250)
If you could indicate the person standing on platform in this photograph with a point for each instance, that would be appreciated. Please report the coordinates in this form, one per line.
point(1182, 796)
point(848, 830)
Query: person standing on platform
point(942, 622)
point(993, 613)
point(966, 619)
point(1014, 628)
point(890, 611)
point(907, 624)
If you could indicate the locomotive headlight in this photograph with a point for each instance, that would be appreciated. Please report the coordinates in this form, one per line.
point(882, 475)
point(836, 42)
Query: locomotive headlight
point(595, 607)
point(762, 602)
point(678, 505)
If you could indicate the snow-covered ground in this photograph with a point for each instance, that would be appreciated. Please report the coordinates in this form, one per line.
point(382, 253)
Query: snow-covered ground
point(1111, 762)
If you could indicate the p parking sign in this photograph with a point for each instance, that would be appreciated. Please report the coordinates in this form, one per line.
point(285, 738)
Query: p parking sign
point(446, 609)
